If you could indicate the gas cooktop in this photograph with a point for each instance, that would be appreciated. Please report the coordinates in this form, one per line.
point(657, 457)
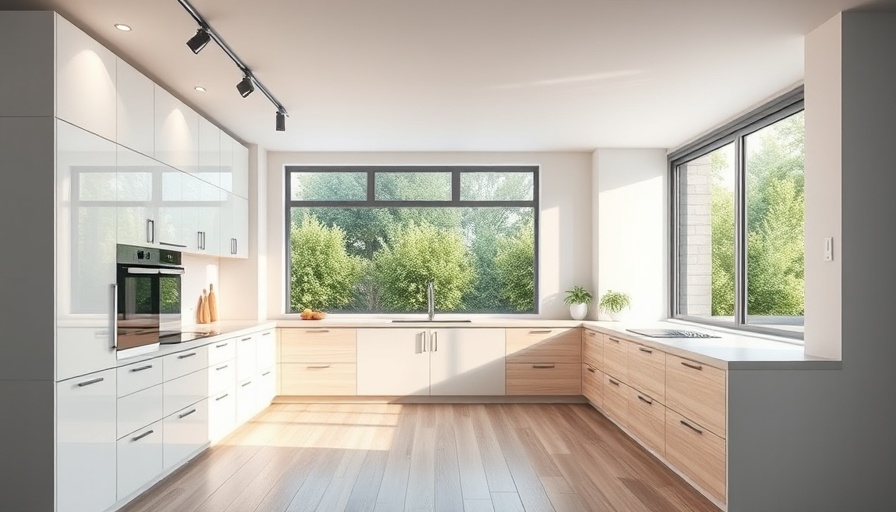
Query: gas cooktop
point(671, 333)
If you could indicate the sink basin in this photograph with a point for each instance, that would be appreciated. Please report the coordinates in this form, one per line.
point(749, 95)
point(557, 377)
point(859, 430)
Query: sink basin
point(426, 320)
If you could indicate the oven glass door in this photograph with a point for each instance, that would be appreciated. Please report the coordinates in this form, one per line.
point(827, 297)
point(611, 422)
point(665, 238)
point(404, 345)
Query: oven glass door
point(149, 303)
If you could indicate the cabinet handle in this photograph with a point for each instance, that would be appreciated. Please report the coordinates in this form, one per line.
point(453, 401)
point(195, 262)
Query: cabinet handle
point(692, 366)
point(244, 384)
point(265, 374)
point(542, 366)
point(614, 340)
point(221, 367)
point(233, 246)
point(199, 240)
point(591, 333)
point(423, 341)
point(115, 316)
point(147, 367)
point(184, 415)
point(613, 382)
point(646, 401)
point(647, 350)
point(695, 429)
point(543, 331)
point(222, 345)
point(316, 331)
point(590, 369)
point(169, 244)
point(141, 436)
point(435, 341)
point(268, 333)
point(222, 397)
point(317, 366)
point(246, 338)
point(91, 381)
point(150, 231)
point(184, 356)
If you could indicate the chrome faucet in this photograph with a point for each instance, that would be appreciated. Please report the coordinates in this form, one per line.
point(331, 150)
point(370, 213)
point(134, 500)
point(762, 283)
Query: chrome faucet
point(430, 300)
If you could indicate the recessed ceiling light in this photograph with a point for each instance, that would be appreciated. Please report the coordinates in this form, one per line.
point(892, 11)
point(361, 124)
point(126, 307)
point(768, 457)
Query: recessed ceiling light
point(199, 88)
point(123, 27)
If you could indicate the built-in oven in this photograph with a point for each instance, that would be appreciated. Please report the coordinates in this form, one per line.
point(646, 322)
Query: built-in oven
point(148, 298)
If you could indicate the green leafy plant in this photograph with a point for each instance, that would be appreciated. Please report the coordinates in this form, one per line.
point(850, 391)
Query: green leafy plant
point(614, 302)
point(323, 274)
point(578, 295)
point(515, 264)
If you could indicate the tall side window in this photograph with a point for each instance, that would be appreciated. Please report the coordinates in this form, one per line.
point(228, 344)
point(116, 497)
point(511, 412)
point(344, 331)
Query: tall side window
point(738, 223)
point(370, 239)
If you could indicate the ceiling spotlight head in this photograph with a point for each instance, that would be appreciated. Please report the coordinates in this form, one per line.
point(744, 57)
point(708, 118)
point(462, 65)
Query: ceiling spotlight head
point(198, 41)
point(281, 121)
point(245, 87)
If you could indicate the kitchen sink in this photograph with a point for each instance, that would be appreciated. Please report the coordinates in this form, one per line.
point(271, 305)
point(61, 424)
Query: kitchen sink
point(426, 321)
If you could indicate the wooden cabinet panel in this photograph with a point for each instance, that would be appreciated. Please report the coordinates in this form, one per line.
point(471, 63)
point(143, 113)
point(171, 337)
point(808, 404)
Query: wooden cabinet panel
point(544, 346)
point(615, 357)
point(697, 452)
point(544, 378)
point(592, 385)
point(318, 346)
point(318, 379)
point(615, 399)
point(647, 418)
point(647, 370)
point(592, 348)
point(697, 391)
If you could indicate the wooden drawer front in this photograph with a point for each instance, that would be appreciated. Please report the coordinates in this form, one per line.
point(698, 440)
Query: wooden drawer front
point(185, 391)
point(315, 379)
point(544, 379)
point(221, 351)
point(138, 410)
point(697, 452)
point(615, 355)
point(316, 345)
point(137, 376)
point(181, 363)
point(647, 370)
point(647, 418)
point(592, 349)
point(615, 399)
point(697, 391)
point(221, 377)
point(544, 345)
point(592, 384)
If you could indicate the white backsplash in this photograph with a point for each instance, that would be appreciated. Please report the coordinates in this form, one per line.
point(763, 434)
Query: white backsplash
point(200, 271)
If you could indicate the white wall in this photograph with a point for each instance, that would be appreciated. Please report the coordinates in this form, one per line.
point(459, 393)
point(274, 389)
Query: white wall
point(565, 219)
point(630, 244)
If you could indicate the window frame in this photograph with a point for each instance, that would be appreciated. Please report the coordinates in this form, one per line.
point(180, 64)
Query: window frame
point(734, 132)
point(371, 202)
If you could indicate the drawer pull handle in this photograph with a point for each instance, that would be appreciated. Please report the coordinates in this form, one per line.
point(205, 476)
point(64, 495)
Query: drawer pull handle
point(614, 340)
point(590, 369)
point(591, 333)
point(692, 366)
point(613, 382)
point(221, 367)
point(222, 345)
point(543, 331)
point(317, 366)
point(141, 436)
point(266, 333)
point(642, 349)
point(317, 331)
point(246, 338)
point(244, 384)
point(222, 397)
point(184, 415)
point(646, 401)
point(265, 374)
point(89, 382)
point(135, 370)
point(541, 366)
point(191, 354)
point(695, 429)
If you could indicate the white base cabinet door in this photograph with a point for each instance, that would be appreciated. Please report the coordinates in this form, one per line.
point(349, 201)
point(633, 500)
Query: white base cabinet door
point(85, 443)
point(185, 432)
point(393, 362)
point(246, 400)
point(466, 362)
point(140, 459)
point(221, 414)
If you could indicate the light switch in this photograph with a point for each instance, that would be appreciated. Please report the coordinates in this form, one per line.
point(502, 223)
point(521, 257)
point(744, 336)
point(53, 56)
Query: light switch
point(828, 248)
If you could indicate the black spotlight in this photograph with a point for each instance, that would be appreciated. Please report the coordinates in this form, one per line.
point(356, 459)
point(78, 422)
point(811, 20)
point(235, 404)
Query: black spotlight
point(281, 122)
point(198, 42)
point(245, 87)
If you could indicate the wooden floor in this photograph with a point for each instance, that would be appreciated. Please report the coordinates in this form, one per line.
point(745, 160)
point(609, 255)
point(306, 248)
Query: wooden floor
point(382, 457)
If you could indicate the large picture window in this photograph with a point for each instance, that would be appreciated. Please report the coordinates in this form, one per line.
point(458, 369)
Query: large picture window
point(738, 223)
point(370, 239)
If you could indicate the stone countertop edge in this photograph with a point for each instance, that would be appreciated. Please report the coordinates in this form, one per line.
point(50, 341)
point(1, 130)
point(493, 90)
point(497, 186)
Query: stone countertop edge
point(381, 323)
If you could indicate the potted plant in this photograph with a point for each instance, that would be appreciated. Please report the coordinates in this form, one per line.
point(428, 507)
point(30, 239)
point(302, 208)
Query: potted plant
point(578, 299)
point(612, 303)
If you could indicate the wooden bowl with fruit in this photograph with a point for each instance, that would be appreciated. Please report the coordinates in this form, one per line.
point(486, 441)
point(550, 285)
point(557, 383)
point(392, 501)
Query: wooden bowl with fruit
point(312, 314)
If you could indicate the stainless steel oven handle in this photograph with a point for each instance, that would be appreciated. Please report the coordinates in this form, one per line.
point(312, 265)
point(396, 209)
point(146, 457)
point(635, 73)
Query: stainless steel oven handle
point(142, 271)
point(172, 271)
point(170, 244)
point(115, 316)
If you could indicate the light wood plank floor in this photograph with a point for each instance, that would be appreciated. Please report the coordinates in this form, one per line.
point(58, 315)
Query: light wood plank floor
point(385, 457)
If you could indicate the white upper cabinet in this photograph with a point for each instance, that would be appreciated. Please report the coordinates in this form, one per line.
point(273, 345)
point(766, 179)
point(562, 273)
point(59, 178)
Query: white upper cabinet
point(139, 184)
point(176, 132)
point(240, 170)
point(235, 226)
point(225, 176)
point(85, 81)
point(135, 115)
point(209, 169)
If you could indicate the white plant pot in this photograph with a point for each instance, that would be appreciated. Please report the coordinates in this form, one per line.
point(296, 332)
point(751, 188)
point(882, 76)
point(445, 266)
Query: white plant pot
point(578, 311)
point(616, 316)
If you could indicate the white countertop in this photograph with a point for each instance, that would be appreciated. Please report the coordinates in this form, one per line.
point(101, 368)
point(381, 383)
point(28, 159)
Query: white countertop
point(477, 323)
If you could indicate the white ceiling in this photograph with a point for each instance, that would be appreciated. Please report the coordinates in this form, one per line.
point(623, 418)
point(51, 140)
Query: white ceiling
point(467, 75)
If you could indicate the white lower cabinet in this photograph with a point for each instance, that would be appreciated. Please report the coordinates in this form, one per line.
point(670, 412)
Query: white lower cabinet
point(267, 387)
point(393, 362)
point(85, 443)
point(246, 400)
point(140, 458)
point(185, 432)
point(221, 414)
point(185, 391)
point(139, 409)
